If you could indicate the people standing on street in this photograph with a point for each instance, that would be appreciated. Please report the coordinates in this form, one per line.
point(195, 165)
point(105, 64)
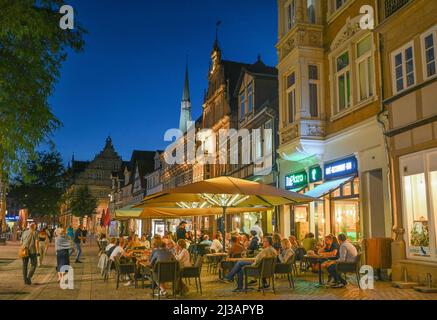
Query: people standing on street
point(43, 240)
point(62, 248)
point(84, 234)
point(77, 240)
point(29, 241)
point(70, 235)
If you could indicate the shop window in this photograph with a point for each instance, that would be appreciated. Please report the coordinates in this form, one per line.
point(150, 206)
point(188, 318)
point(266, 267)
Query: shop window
point(346, 218)
point(415, 201)
point(347, 190)
point(356, 185)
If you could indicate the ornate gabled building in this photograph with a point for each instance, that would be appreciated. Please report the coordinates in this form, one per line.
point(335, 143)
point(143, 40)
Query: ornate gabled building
point(95, 174)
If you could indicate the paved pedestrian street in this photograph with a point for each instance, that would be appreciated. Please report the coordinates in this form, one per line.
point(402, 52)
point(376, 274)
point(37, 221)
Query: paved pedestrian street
point(88, 285)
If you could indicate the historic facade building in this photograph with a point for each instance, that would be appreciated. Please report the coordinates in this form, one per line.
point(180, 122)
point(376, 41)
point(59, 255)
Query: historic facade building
point(95, 174)
point(129, 187)
point(408, 36)
point(331, 144)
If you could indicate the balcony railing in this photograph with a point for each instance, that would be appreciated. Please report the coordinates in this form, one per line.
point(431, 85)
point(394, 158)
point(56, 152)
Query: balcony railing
point(391, 6)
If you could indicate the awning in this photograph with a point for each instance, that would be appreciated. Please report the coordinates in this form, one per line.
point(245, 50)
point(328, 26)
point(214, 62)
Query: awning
point(327, 187)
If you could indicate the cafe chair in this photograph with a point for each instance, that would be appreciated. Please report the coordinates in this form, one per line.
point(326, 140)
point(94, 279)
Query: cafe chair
point(123, 268)
point(287, 269)
point(194, 272)
point(351, 267)
point(265, 269)
point(164, 272)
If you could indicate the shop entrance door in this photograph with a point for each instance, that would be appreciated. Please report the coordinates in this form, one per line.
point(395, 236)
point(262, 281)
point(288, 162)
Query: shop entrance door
point(375, 226)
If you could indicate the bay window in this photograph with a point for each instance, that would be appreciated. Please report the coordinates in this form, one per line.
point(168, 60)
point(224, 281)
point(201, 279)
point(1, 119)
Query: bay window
point(314, 85)
point(290, 9)
point(291, 97)
point(403, 68)
point(311, 11)
point(343, 81)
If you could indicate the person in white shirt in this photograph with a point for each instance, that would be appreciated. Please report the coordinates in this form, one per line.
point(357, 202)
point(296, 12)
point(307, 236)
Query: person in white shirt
point(258, 229)
point(217, 243)
point(111, 244)
point(182, 254)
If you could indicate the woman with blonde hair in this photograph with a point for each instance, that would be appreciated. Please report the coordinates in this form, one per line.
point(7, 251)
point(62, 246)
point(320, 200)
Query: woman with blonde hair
point(286, 252)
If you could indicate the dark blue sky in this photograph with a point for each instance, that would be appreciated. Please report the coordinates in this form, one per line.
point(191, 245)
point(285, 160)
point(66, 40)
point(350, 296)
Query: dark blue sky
point(128, 81)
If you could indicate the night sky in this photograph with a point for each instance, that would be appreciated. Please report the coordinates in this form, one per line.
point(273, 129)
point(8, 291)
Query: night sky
point(128, 81)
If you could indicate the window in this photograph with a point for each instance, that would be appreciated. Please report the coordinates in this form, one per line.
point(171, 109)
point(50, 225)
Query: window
point(242, 105)
point(403, 68)
point(311, 10)
point(314, 84)
point(291, 14)
point(291, 97)
point(365, 68)
point(419, 199)
point(250, 98)
point(429, 51)
point(343, 80)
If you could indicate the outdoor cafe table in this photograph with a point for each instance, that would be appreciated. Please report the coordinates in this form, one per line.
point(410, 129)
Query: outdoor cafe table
point(319, 260)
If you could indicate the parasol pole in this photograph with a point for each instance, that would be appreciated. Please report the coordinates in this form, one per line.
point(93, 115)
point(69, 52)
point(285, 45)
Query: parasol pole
point(224, 228)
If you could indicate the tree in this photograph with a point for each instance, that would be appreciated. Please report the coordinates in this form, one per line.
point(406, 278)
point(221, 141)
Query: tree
point(41, 189)
point(82, 202)
point(32, 50)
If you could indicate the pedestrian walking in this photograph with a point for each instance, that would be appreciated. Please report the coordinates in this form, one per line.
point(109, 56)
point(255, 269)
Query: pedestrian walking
point(43, 245)
point(29, 245)
point(78, 237)
point(62, 248)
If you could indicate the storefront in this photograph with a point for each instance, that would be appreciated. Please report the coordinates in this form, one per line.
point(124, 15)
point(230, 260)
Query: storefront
point(338, 207)
point(418, 179)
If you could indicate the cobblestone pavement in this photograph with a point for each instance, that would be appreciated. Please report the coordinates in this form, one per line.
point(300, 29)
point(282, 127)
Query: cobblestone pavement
point(89, 285)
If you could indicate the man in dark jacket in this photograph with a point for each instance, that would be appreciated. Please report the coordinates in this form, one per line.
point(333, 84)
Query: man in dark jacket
point(181, 231)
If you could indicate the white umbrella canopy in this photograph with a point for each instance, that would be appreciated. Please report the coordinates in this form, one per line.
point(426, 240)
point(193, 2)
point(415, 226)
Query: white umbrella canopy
point(225, 192)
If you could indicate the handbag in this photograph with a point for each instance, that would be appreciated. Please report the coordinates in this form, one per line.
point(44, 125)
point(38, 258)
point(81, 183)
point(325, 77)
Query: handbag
point(23, 252)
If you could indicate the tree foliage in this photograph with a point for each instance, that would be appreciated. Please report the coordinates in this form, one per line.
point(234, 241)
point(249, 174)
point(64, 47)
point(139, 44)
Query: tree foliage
point(82, 202)
point(41, 189)
point(32, 50)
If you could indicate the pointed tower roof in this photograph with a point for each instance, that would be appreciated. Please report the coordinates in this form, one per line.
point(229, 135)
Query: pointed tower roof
point(186, 94)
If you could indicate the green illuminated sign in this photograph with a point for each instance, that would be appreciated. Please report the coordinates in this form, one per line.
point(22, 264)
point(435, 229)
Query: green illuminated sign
point(296, 180)
point(315, 174)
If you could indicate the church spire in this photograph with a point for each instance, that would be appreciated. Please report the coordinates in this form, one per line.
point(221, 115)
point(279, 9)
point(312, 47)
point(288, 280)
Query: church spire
point(186, 104)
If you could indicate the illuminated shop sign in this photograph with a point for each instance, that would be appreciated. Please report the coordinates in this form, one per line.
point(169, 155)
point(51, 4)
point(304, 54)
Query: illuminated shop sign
point(341, 168)
point(315, 174)
point(296, 180)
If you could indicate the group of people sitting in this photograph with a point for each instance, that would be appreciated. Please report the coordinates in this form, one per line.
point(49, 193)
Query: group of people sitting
point(334, 251)
point(159, 249)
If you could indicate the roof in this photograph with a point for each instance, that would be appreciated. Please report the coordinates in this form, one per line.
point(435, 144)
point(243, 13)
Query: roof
point(258, 69)
point(145, 161)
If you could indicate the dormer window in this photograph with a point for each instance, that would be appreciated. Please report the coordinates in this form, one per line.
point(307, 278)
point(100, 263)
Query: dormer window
point(250, 97)
point(246, 100)
point(242, 105)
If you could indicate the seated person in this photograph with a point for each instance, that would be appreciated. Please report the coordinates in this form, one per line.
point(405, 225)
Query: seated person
point(286, 252)
point(119, 252)
point(161, 254)
point(348, 253)
point(111, 246)
point(206, 241)
point(254, 242)
point(330, 250)
point(217, 243)
point(171, 246)
point(277, 242)
point(309, 243)
point(267, 252)
point(244, 241)
point(103, 242)
point(236, 249)
point(182, 255)
point(144, 242)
